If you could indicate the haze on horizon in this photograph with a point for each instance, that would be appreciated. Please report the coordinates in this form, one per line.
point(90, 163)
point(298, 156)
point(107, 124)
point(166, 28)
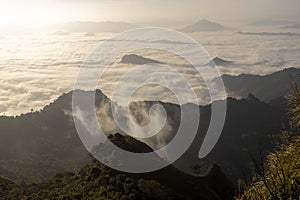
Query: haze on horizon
point(168, 12)
point(31, 63)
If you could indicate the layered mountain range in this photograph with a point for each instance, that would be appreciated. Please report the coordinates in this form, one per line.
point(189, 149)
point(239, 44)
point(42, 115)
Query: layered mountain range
point(36, 146)
point(266, 87)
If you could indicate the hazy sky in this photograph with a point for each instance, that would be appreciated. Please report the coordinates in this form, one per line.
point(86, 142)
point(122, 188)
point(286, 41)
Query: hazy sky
point(33, 12)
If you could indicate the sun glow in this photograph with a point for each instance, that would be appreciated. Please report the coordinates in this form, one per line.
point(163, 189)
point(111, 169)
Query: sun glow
point(27, 13)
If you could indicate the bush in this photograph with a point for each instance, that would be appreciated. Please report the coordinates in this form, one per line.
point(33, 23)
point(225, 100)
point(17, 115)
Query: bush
point(279, 177)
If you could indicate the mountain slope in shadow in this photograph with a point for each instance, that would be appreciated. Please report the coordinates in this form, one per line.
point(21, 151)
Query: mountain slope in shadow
point(251, 127)
point(95, 181)
point(266, 87)
point(51, 143)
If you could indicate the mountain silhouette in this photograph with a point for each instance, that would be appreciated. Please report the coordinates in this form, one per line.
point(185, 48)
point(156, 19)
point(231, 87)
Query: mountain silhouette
point(205, 26)
point(250, 125)
point(266, 87)
point(291, 26)
point(269, 33)
point(51, 144)
point(96, 181)
point(220, 62)
point(138, 60)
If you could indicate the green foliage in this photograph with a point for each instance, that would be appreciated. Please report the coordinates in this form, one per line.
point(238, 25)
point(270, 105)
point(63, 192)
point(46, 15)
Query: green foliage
point(279, 177)
point(152, 189)
point(8, 189)
point(294, 110)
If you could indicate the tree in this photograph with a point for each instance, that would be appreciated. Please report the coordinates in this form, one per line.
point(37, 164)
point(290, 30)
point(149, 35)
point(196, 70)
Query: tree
point(294, 108)
point(278, 178)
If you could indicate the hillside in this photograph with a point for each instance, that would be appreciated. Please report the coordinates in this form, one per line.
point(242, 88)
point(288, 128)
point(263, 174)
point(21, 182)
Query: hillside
point(8, 188)
point(95, 181)
point(250, 125)
point(262, 86)
point(51, 144)
point(48, 146)
point(278, 176)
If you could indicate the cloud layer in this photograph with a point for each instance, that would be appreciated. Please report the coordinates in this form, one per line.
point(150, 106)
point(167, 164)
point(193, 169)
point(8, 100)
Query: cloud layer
point(36, 68)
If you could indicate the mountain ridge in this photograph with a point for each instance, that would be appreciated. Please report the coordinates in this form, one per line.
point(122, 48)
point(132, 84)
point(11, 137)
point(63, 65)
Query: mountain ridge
point(98, 181)
point(205, 26)
point(262, 86)
point(138, 60)
point(220, 62)
point(53, 137)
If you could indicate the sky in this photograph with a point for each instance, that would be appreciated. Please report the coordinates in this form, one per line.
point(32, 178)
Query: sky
point(43, 12)
point(31, 64)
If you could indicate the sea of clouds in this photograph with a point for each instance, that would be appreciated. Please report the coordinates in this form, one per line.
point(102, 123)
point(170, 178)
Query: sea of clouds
point(36, 68)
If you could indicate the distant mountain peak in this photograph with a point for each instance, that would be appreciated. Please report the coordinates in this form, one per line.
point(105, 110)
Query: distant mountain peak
point(138, 60)
point(252, 97)
point(264, 87)
point(221, 62)
point(129, 143)
point(205, 26)
point(206, 21)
